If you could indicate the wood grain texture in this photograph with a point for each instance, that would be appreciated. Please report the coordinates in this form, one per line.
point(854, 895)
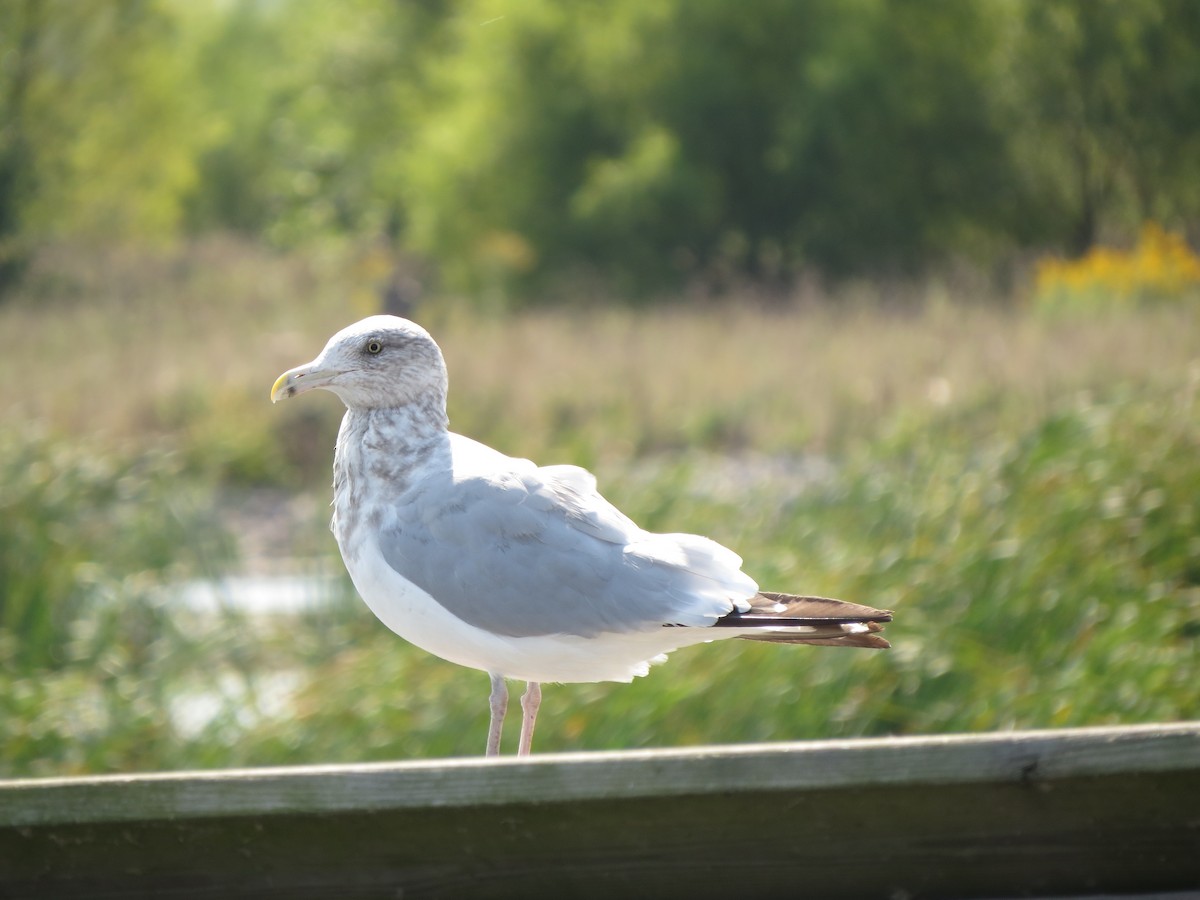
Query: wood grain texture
point(1085, 811)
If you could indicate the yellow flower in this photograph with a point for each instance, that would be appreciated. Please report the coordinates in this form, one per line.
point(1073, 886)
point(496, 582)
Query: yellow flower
point(1160, 268)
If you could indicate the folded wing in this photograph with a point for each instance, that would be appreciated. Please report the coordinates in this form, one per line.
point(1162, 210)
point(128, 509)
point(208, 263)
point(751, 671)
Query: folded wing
point(526, 551)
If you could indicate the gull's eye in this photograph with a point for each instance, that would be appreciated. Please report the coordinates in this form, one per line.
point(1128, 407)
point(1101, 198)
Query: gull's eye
point(374, 348)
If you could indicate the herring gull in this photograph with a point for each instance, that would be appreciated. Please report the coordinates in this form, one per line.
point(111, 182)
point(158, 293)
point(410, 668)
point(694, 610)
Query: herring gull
point(523, 571)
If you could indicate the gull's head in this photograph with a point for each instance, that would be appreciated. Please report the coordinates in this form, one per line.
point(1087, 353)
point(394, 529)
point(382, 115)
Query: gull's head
point(381, 362)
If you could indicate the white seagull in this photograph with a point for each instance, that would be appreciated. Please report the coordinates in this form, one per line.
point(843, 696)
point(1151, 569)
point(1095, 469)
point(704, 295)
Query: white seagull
point(523, 571)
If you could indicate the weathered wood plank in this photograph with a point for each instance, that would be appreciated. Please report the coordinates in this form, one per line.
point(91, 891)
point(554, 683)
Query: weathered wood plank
point(1083, 811)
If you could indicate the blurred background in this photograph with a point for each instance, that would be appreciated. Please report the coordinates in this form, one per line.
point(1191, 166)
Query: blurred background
point(897, 299)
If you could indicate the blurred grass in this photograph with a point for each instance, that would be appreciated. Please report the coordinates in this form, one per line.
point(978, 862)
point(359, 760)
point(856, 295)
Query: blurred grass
point(186, 344)
point(1024, 493)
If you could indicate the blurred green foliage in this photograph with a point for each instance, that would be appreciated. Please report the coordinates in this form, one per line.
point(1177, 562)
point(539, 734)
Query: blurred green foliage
point(1043, 575)
point(520, 147)
point(80, 529)
point(99, 136)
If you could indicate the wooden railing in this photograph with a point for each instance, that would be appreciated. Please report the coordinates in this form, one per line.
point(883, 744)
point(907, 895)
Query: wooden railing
point(1056, 813)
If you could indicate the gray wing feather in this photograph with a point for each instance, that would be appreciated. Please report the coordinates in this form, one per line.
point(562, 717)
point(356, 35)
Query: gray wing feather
point(539, 551)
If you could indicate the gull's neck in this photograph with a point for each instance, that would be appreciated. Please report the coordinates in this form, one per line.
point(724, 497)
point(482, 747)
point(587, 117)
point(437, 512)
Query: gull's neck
point(379, 455)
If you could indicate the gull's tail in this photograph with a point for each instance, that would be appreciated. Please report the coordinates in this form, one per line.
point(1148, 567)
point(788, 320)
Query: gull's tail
point(788, 619)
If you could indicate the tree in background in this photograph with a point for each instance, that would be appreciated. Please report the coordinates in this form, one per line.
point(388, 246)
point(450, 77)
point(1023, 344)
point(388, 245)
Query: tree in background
point(1111, 89)
point(99, 125)
point(315, 100)
point(653, 142)
point(686, 138)
point(526, 149)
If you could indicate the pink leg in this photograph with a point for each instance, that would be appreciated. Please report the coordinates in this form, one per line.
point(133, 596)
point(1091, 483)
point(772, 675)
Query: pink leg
point(530, 701)
point(498, 701)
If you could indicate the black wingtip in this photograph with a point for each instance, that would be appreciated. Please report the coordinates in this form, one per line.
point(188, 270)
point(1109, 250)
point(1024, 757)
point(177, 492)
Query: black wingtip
point(794, 619)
